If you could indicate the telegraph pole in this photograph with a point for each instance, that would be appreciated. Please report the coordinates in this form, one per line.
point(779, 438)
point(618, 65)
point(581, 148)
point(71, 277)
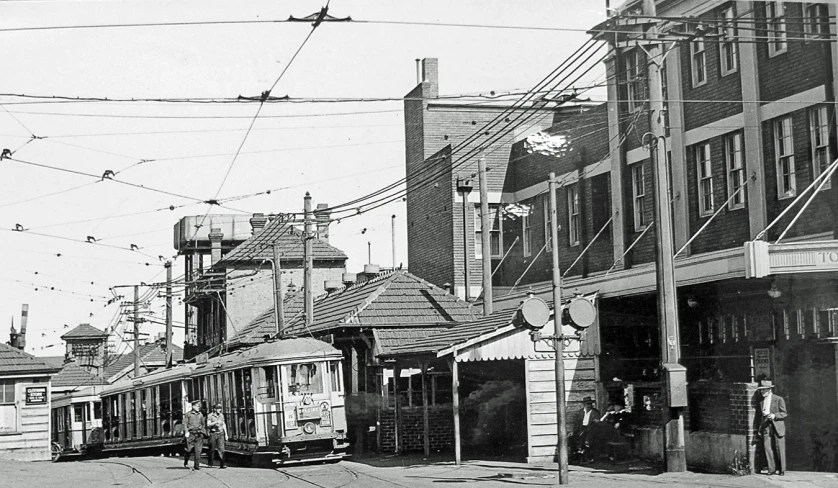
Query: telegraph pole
point(393, 236)
point(485, 237)
point(136, 331)
point(674, 384)
point(279, 312)
point(168, 314)
point(558, 339)
point(309, 263)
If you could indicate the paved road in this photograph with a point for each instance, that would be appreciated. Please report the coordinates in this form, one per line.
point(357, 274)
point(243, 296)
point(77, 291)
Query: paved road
point(393, 472)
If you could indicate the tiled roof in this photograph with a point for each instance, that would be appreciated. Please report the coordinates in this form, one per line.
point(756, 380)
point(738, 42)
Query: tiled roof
point(394, 299)
point(260, 246)
point(15, 361)
point(151, 353)
point(56, 362)
point(74, 375)
point(85, 331)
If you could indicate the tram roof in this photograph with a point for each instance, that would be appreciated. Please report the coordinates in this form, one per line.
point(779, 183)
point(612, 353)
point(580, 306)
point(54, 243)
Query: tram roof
point(154, 378)
point(283, 350)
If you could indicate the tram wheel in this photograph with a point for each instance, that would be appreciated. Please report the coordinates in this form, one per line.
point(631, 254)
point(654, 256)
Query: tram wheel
point(56, 451)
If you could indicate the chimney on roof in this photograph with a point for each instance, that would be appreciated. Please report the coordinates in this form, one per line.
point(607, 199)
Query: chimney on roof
point(215, 237)
point(258, 222)
point(331, 285)
point(322, 216)
point(447, 287)
point(13, 334)
point(430, 75)
point(370, 272)
point(24, 320)
point(348, 279)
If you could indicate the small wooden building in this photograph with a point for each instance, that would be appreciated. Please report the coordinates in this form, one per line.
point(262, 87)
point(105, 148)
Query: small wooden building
point(24, 405)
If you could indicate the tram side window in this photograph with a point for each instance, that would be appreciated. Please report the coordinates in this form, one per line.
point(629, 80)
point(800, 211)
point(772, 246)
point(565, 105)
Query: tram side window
point(247, 383)
point(305, 378)
point(334, 373)
point(78, 412)
point(176, 402)
point(97, 410)
point(266, 383)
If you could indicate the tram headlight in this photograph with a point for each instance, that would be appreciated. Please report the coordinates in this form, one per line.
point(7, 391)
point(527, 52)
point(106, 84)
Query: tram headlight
point(308, 428)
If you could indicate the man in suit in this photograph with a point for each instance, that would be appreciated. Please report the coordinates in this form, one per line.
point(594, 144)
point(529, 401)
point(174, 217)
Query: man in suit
point(580, 438)
point(772, 427)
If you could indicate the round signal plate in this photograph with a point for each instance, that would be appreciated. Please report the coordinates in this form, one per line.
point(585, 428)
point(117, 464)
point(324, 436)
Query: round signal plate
point(582, 312)
point(535, 312)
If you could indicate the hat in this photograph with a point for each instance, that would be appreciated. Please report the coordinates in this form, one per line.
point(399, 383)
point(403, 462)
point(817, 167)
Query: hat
point(193, 402)
point(217, 405)
point(765, 385)
point(588, 399)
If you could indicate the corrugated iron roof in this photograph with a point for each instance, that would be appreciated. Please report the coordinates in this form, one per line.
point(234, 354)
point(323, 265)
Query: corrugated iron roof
point(15, 361)
point(396, 298)
point(74, 375)
point(85, 331)
point(260, 246)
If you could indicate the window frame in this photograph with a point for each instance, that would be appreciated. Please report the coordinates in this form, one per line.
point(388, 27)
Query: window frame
point(814, 26)
point(704, 179)
point(638, 199)
point(495, 211)
point(697, 54)
point(819, 131)
point(573, 215)
point(735, 168)
point(784, 138)
point(777, 36)
point(7, 386)
point(526, 234)
point(548, 221)
point(728, 48)
point(634, 74)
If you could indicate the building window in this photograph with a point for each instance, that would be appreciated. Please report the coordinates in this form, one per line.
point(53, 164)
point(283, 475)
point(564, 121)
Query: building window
point(819, 134)
point(527, 234)
point(727, 48)
point(638, 188)
point(548, 222)
point(784, 155)
point(817, 20)
point(8, 409)
point(735, 170)
point(775, 19)
point(704, 171)
point(699, 62)
point(495, 232)
point(573, 214)
point(634, 75)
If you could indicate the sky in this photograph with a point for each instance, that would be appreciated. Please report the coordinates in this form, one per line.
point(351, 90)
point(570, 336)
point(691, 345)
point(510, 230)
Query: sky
point(335, 151)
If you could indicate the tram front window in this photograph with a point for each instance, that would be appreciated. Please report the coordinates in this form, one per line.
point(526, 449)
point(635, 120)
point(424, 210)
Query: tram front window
point(305, 378)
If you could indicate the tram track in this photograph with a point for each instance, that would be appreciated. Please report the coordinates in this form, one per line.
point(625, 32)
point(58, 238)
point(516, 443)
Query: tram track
point(132, 468)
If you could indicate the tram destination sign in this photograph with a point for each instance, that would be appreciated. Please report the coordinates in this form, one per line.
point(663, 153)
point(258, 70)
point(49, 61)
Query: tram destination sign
point(764, 259)
point(36, 395)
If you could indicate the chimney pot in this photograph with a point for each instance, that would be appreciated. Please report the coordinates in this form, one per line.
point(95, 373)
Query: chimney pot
point(258, 222)
point(348, 279)
point(331, 285)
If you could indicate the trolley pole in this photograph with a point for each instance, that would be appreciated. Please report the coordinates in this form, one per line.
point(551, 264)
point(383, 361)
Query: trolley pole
point(136, 331)
point(309, 263)
point(485, 237)
point(168, 314)
point(278, 309)
point(558, 339)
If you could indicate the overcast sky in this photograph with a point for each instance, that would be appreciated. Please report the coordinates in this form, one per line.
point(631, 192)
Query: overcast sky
point(335, 157)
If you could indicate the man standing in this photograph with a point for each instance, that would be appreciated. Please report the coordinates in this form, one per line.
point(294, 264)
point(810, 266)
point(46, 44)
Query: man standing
point(583, 444)
point(194, 432)
point(772, 427)
point(217, 435)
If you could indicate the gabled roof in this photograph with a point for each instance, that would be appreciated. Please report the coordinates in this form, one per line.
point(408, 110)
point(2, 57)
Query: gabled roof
point(394, 299)
point(150, 354)
point(260, 246)
point(14, 361)
point(74, 375)
point(85, 331)
point(56, 362)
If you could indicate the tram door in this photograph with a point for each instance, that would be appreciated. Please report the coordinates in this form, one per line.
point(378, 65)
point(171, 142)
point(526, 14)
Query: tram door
point(80, 423)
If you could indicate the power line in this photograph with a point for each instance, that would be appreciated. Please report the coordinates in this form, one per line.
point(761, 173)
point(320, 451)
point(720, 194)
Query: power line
point(205, 117)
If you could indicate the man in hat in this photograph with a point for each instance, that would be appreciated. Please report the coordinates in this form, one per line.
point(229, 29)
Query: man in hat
point(194, 431)
point(217, 435)
point(581, 436)
point(772, 427)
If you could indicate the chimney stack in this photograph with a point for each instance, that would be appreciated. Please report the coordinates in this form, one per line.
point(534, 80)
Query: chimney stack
point(24, 320)
point(348, 279)
point(258, 222)
point(322, 217)
point(215, 237)
point(430, 75)
point(13, 335)
point(331, 285)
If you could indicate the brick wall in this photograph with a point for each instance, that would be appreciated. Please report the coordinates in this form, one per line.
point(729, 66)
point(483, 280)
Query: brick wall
point(727, 408)
point(440, 421)
point(644, 250)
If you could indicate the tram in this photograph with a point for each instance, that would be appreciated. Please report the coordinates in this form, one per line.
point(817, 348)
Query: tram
point(76, 424)
point(283, 402)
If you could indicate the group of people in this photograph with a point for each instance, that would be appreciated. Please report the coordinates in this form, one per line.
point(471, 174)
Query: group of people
point(196, 428)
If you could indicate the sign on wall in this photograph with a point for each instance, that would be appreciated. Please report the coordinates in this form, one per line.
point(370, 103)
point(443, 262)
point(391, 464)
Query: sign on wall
point(764, 259)
point(762, 363)
point(36, 395)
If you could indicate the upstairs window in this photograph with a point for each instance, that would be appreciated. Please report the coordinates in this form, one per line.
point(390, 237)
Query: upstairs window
point(819, 135)
point(816, 22)
point(775, 21)
point(784, 158)
point(735, 170)
point(634, 77)
point(548, 221)
point(573, 214)
point(699, 62)
point(704, 176)
point(495, 232)
point(727, 47)
point(638, 193)
point(526, 232)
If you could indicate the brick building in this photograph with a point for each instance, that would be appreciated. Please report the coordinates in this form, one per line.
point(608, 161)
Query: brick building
point(749, 94)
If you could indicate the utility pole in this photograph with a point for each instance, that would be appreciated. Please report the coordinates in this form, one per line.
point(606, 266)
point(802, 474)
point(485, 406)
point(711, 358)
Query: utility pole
point(309, 263)
point(485, 237)
point(279, 312)
point(674, 384)
point(136, 331)
point(558, 339)
point(393, 236)
point(464, 187)
point(168, 314)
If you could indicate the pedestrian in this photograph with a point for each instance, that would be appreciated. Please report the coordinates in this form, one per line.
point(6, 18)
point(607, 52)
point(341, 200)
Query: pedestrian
point(582, 443)
point(194, 431)
point(772, 427)
point(217, 435)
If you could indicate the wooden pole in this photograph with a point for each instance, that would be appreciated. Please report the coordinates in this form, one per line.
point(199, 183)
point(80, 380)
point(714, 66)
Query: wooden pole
point(426, 424)
point(279, 312)
point(169, 355)
point(466, 253)
point(558, 340)
point(397, 371)
point(309, 263)
point(455, 393)
point(393, 237)
point(486, 238)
